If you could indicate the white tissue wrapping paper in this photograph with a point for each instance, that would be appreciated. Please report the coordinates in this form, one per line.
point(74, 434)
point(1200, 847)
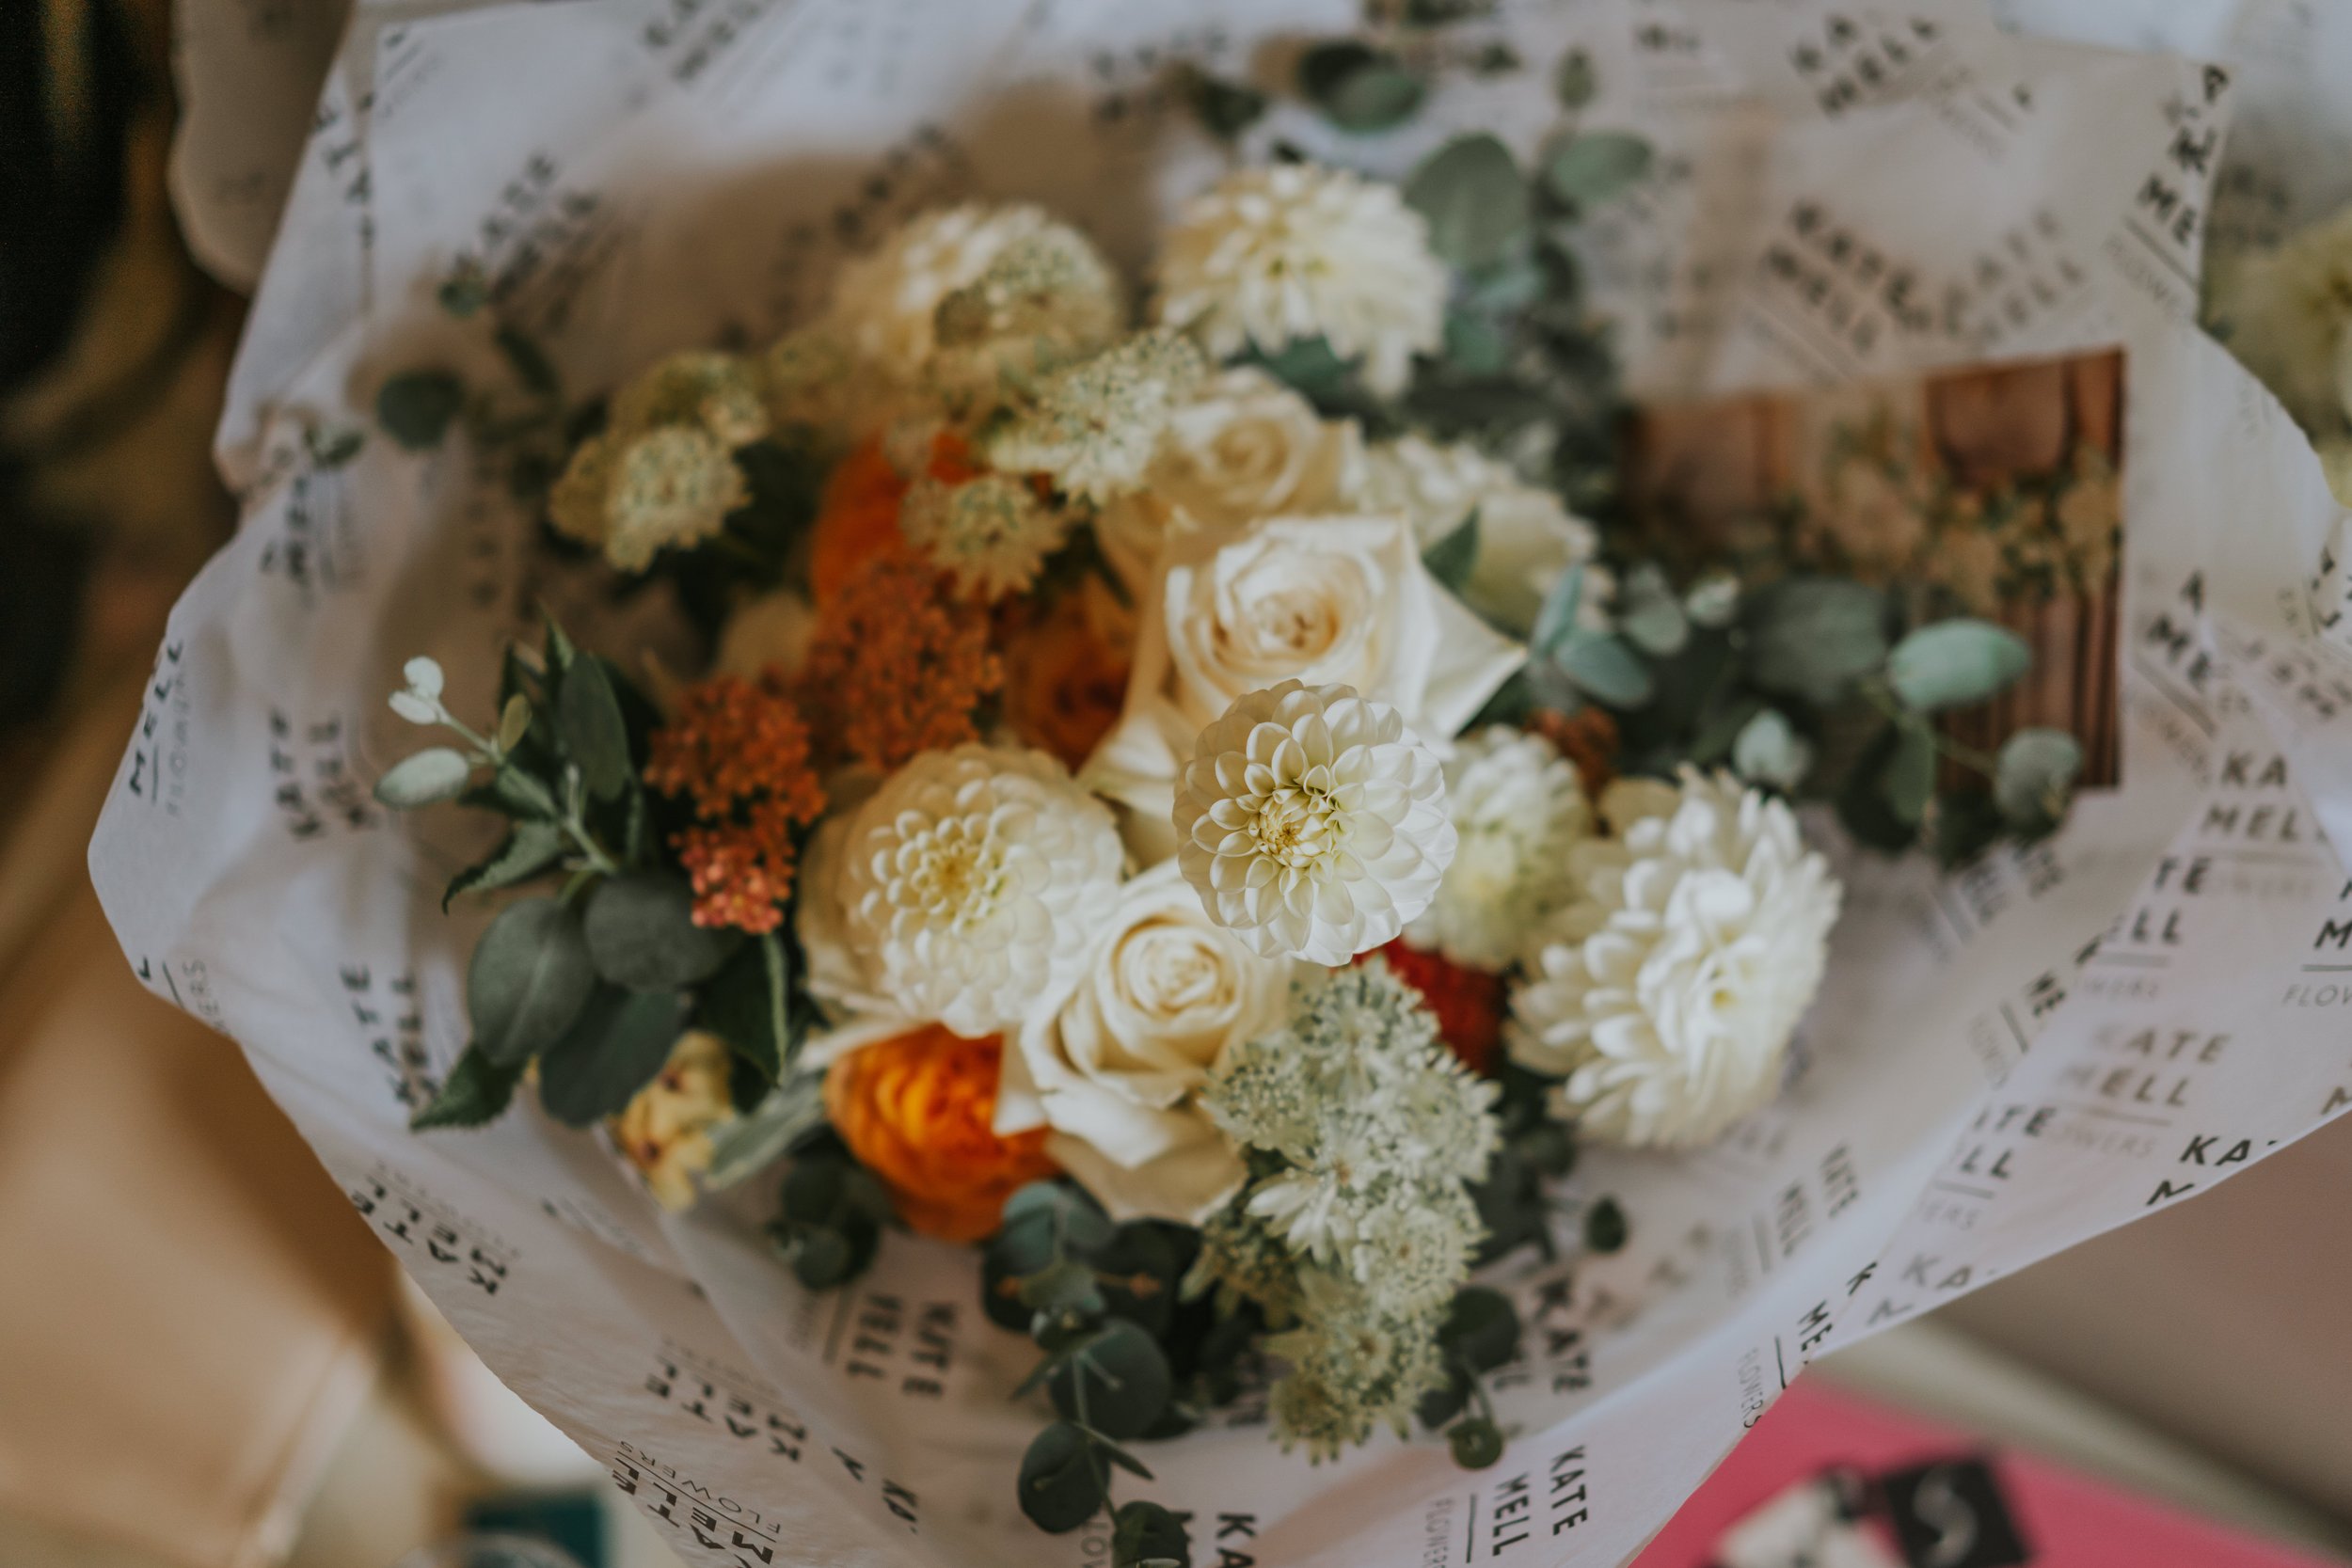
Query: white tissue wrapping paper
point(2002, 1063)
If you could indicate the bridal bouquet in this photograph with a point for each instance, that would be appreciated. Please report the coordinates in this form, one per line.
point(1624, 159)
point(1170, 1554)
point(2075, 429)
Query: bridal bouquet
point(1270, 785)
point(1180, 798)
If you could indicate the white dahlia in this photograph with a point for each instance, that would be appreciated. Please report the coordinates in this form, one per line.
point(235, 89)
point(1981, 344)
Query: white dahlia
point(886, 300)
point(973, 881)
point(1278, 255)
point(1517, 811)
point(1526, 537)
point(1666, 994)
point(1312, 823)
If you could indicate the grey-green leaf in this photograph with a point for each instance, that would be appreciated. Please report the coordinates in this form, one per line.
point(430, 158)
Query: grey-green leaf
point(642, 933)
point(751, 1143)
point(1595, 167)
point(1952, 663)
point(1471, 193)
point(1769, 750)
point(1556, 620)
point(1908, 782)
point(2036, 780)
point(1060, 1484)
point(416, 406)
point(530, 849)
point(748, 1004)
point(1814, 637)
point(588, 717)
point(1449, 559)
point(528, 979)
point(1606, 668)
point(474, 1094)
point(435, 774)
point(1124, 1377)
point(1650, 615)
point(1572, 80)
point(620, 1041)
point(1357, 87)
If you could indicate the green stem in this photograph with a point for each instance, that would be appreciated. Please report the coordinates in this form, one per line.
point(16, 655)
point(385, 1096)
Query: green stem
point(1960, 752)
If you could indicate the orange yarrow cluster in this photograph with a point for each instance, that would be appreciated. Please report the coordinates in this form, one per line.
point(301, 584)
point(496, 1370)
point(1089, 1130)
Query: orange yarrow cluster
point(898, 665)
point(738, 752)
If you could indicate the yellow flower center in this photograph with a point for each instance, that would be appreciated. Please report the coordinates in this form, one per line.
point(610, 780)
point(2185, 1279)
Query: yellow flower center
point(1294, 827)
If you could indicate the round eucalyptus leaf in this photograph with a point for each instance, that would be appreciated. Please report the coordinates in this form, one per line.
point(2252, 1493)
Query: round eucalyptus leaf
point(1146, 1535)
point(1814, 637)
point(1061, 1482)
point(528, 979)
point(820, 1258)
point(1606, 668)
point(1952, 663)
point(1605, 1226)
point(1572, 80)
point(1595, 165)
point(1116, 1380)
point(1475, 202)
point(1477, 1443)
point(1061, 1289)
point(1769, 750)
point(437, 774)
point(2036, 778)
point(1650, 615)
point(416, 406)
point(642, 933)
point(1481, 1327)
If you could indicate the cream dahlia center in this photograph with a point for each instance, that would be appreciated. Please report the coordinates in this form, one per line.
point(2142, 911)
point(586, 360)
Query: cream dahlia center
point(1296, 826)
point(955, 875)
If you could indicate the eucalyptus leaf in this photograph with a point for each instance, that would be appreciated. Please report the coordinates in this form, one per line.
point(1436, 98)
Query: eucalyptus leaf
point(1650, 615)
point(1814, 637)
point(532, 847)
point(1476, 342)
point(2037, 769)
point(621, 1040)
point(437, 773)
point(1061, 1483)
point(1481, 1328)
point(1572, 80)
point(642, 933)
point(516, 792)
point(1476, 1443)
point(1474, 199)
point(528, 360)
point(1594, 166)
point(751, 1143)
point(748, 1004)
point(1908, 782)
point(1606, 1230)
point(588, 717)
point(1556, 620)
point(1146, 1535)
point(1952, 663)
point(475, 1093)
point(1606, 668)
point(1452, 558)
point(416, 407)
point(1225, 109)
point(1116, 1380)
point(1769, 750)
point(528, 979)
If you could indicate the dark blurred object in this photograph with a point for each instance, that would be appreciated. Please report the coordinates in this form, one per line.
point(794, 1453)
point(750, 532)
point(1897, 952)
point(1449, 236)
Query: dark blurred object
point(572, 1521)
point(69, 83)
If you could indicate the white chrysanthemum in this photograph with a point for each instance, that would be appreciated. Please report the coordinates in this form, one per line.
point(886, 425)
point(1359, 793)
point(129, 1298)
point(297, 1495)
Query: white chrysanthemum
point(886, 299)
point(1518, 810)
point(2285, 312)
point(1526, 537)
point(1666, 996)
point(973, 881)
point(1313, 822)
point(991, 534)
point(1275, 256)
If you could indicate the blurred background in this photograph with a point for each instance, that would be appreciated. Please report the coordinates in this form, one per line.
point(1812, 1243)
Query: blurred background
point(205, 1360)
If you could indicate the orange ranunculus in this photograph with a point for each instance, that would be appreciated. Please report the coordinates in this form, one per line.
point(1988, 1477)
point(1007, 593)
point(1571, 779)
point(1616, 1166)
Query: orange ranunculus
point(915, 1109)
point(857, 520)
point(1066, 671)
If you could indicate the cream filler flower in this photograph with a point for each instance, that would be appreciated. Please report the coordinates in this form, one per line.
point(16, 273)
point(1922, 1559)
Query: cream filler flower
point(1278, 255)
point(1526, 537)
point(1517, 811)
point(1312, 823)
point(663, 472)
point(970, 884)
point(1666, 995)
point(991, 534)
point(1245, 446)
point(2285, 312)
point(1320, 601)
point(1093, 426)
point(1113, 1065)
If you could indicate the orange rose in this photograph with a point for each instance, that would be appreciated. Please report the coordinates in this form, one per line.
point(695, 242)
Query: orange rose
point(1066, 671)
point(857, 520)
point(916, 1110)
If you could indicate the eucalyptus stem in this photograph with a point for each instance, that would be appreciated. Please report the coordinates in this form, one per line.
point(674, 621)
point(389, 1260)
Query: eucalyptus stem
point(1960, 752)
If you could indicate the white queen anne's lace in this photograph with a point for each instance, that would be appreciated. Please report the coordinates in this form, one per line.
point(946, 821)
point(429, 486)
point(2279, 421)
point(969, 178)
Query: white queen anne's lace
point(1275, 256)
point(1518, 810)
point(1313, 822)
point(1666, 994)
point(974, 880)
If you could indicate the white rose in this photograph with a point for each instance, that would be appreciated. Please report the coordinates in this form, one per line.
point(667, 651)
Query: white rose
point(1526, 537)
point(1112, 1064)
point(1322, 600)
point(1247, 448)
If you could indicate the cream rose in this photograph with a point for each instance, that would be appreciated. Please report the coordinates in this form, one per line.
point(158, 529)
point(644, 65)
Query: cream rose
point(1341, 600)
point(1247, 448)
point(1111, 1066)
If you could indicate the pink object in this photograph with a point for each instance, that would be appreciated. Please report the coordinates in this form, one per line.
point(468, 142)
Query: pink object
point(2060, 1519)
